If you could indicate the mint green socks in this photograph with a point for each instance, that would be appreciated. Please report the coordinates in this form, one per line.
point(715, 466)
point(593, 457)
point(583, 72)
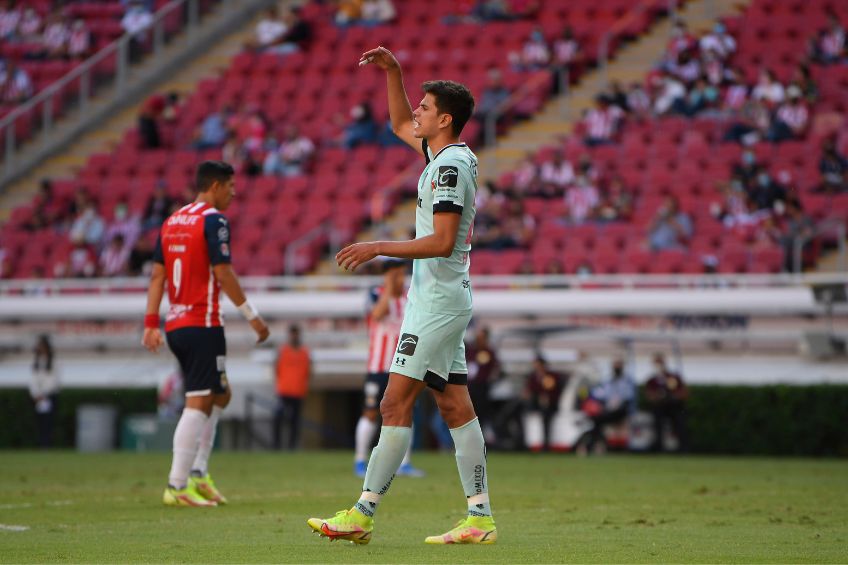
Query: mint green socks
point(471, 462)
point(384, 463)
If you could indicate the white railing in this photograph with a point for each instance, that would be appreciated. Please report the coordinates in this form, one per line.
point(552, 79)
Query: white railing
point(586, 283)
point(54, 95)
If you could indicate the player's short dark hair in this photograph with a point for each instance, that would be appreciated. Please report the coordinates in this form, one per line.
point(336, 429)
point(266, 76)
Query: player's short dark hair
point(210, 172)
point(451, 98)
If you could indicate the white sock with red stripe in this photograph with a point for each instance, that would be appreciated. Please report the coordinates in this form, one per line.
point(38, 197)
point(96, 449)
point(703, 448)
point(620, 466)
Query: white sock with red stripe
point(365, 429)
point(207, 440)
point(186, 438)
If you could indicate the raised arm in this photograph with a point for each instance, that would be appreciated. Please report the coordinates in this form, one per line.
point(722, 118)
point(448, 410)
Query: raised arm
point(400, 111)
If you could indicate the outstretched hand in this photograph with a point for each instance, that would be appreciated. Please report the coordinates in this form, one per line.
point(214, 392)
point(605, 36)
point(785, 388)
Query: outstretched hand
point(354, 255)
point(381, 57)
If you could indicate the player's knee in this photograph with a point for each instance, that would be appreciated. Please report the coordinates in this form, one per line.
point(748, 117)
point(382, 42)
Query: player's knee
point(455, 412)
point(393, 410)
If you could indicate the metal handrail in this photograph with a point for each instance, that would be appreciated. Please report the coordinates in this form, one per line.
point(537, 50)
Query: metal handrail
point(831, 225)
point(290, 261)
point(616, 28)
point(83, 72)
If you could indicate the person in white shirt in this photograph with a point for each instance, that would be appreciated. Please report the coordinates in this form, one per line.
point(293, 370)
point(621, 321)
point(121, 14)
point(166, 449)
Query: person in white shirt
point(670, 91)
point(791, 119)
point(79, 40)
point(534, 55)
point(136, 22)
point(44, 389)
point(15, 84)
point(601, 123)
point(375, 12)
point(582, 201)
point(269, 30)
point(719, 41)
point(556, 175)
point(291, 156)
point(10, 17)
point(29, 27)
point(55, 37)
point(768, 88)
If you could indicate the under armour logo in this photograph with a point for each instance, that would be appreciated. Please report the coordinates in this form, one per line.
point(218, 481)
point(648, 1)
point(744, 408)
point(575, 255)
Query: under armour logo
point(401, 362)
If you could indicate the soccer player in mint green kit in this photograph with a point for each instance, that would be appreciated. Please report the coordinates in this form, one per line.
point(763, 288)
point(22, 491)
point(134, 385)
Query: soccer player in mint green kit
point(430, 351)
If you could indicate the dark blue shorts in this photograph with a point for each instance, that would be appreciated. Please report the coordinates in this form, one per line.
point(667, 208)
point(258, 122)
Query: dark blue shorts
point(202, 354)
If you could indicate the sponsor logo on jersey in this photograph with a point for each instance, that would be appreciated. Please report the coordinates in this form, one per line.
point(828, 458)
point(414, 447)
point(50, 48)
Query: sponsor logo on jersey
point(183, 220)
point(407, 344)
point(177, 248)
point(223, 234)
point(447, 176)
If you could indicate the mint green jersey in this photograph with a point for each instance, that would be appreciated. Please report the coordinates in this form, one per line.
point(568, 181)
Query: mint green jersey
point(448, 184)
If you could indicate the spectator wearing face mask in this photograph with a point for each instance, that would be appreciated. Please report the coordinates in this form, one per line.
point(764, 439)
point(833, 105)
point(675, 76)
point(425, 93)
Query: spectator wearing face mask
point(123, 224)
point(362, 129)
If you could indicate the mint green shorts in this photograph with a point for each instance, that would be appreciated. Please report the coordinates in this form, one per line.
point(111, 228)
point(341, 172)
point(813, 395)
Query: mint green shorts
point(431, 348)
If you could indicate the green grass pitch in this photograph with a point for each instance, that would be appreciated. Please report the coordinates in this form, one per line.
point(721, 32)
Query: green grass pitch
point(549, 509)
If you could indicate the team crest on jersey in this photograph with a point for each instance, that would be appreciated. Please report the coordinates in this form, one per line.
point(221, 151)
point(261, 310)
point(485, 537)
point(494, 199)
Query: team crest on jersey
point(407, 344)
point(447, 176)
point(432, 186)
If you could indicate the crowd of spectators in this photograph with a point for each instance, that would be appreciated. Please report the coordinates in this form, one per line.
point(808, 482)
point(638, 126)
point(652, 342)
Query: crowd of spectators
point(55, 35)
point(114, 242)
point(696, 77)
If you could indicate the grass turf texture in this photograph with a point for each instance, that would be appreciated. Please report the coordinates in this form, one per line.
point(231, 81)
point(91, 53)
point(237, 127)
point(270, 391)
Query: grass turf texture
point(549, 509)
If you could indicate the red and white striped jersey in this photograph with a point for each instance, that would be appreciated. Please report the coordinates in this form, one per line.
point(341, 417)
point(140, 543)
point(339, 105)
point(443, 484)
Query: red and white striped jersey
point(383, 334)
point(601, 123)
point(194, 239)
point(793, 115)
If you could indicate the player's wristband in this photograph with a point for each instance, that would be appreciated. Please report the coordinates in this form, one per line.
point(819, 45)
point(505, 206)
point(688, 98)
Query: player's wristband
point(151, 321)
point(248, 311)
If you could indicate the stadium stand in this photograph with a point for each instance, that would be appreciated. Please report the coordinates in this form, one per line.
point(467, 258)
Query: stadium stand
point(43, 40)
point(666, 156)
point(310, 88)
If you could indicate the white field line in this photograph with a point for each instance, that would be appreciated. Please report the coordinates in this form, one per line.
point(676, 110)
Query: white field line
point(31, 505)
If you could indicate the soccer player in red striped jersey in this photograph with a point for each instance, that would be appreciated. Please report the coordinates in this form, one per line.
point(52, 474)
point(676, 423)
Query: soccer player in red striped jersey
point(193, 256)
point(385, 315)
